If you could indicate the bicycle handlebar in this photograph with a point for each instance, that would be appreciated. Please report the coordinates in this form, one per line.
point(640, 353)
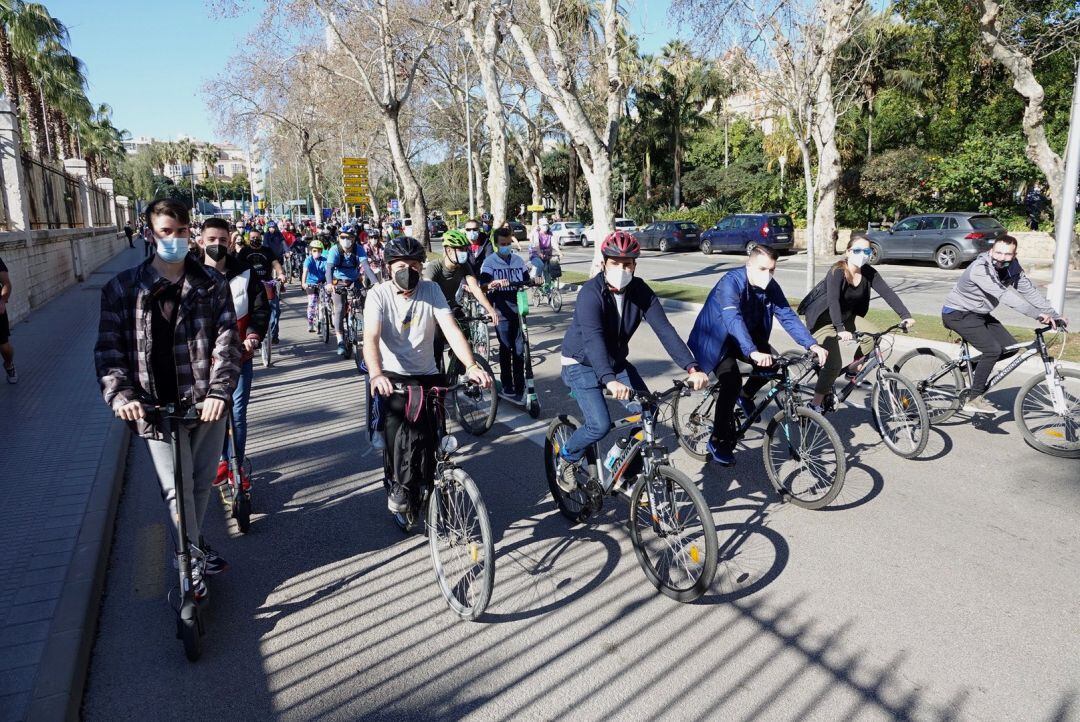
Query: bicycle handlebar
point(901, 326)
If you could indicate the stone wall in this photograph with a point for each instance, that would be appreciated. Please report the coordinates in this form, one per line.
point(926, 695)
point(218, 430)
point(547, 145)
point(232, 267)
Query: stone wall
point(53, 261)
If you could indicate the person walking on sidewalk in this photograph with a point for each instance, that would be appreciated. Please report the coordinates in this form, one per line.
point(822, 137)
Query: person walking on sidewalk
point(252, 321)
point(168, 333)
point(129, 232)
point(148, 241)
point(6, 349)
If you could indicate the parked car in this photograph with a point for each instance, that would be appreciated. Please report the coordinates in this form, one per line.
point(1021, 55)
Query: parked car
point(669, 235)
point(626, 224)
point(436, 227)
point(743, 231)
point(521, 235)
point(947, 239)
point(569, 232)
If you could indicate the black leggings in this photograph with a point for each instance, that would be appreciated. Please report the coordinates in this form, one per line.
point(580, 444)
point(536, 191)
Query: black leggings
point(393, 412)
point(731, 382)
point(987, 335)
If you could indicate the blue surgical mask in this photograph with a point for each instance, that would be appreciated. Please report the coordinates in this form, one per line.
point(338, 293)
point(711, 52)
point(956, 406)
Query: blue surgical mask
point(462, 256)
point(172, 250)
point(504, 250)
point(472, 235)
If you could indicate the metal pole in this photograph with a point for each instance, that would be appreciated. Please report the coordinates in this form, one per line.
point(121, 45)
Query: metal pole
point(1066, 218)
point(468, 137)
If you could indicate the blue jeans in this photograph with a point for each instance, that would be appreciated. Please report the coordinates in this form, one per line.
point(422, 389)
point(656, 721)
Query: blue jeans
point(511, 351)
point(239, 411)
point(589, 394)
point(275, 312)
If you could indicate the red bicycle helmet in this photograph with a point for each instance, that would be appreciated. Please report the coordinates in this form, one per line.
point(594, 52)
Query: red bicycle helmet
point(620, 244)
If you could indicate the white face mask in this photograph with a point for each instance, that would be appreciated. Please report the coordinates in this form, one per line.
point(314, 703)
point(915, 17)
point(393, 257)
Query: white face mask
point(758, 279)
point(857, 259)
point(618, 277)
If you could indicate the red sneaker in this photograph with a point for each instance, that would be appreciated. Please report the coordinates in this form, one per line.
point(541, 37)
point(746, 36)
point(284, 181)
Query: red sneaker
point(245, 482)
point(222, 473)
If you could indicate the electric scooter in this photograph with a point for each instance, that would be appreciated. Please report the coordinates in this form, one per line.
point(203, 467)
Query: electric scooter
point(530, 402)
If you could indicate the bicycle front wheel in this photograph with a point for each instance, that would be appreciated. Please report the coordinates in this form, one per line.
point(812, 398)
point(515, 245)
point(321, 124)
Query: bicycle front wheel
point(692, 420)
point(574, 503)
point(939, 388)
point(900, 414)
point(1042, 427)
point(804, 458)
point(461, 544)
point(477, 407)
point(673, 533)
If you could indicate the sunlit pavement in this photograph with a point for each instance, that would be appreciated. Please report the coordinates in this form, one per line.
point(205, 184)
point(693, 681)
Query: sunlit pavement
point(939, 588)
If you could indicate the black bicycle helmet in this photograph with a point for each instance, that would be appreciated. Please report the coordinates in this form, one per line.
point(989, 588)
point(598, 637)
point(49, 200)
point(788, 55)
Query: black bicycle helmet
point(403, 248)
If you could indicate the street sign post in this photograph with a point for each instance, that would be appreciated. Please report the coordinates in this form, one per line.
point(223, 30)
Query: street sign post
point(354, 180)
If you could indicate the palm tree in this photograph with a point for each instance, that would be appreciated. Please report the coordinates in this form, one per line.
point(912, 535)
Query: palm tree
point(28, 33)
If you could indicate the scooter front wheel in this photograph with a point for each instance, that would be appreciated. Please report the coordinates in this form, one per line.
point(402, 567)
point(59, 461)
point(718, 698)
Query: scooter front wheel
point(189, 630)
point(533, 408)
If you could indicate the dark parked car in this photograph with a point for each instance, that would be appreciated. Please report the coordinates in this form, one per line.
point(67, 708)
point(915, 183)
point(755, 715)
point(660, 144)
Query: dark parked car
point(947, 239)
point(518, 229)
point(743, 231)
point(436, 227)
point(669, 235)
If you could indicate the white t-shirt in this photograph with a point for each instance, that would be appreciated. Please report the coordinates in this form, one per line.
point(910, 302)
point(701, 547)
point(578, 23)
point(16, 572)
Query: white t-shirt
point(407, 341)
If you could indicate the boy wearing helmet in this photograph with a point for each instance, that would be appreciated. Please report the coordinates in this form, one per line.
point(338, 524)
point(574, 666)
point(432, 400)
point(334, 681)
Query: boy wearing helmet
point(400, 320)
point(610, 307)
point(314, 275)
point(449, 272)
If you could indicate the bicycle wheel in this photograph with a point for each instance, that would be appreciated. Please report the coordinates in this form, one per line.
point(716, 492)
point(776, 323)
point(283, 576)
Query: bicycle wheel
point(575, 505)
point(675, 543)
point(357, 334)
point(477, 407)
point(692, 419)
point(461, 544)
point(804, 458)
point(324, 324)
point(555, 299)
point(900, 414)
point(942, 396)
point(1040, 425)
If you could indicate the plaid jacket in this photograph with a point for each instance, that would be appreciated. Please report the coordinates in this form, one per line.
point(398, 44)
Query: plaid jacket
point(206, 345)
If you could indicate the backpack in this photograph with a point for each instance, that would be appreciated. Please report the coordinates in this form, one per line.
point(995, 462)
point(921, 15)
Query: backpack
point(816, 292)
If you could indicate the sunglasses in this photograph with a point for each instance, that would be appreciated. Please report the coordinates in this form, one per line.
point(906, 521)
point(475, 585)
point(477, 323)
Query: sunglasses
point(864, 251)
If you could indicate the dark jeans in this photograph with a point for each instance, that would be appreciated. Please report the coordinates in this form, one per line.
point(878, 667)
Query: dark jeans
point(731, 382)
point(240, 399)
point(129, 237)
point(589, 393)
point(987, 335)
point(148, 248)
point(511, 353)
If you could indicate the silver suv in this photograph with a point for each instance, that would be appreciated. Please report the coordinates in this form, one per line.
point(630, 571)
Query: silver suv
point(947, 239)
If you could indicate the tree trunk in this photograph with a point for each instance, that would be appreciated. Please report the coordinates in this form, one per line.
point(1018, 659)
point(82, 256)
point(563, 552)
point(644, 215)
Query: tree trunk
point(478, 181)
point(35, 119)
point(571, 180)
point(7, 71)
point(676, 188)
point(828, 171)
point(603, 204)
point(808, 178)
point(494, 119)
point(646, 176)
point(408, 178)
point(316, 202)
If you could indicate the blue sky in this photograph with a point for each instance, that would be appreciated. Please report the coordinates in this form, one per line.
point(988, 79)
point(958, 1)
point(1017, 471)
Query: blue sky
point(128, 45)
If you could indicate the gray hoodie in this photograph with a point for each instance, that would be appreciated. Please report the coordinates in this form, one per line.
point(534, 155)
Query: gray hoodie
point(980, 290)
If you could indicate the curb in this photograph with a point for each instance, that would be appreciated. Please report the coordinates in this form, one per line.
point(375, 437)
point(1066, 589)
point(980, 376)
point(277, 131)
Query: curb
point(58, 689)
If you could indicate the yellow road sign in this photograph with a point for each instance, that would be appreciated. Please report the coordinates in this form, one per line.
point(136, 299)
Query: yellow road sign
point(356, 190)
point(455, 213)
point(355, 176)
point(356, 199)
point(537, 208)
point(353, 162)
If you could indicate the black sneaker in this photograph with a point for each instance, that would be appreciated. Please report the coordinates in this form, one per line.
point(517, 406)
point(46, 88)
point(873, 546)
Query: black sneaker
point(212, 563)
point(198, 583)
point(397, 500)
point(12, 375)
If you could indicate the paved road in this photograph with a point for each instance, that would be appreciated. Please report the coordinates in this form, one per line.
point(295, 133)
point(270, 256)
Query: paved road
point(922, 285)
point(932, 589)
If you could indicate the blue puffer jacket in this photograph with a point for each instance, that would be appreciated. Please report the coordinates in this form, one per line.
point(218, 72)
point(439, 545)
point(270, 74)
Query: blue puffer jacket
point(737, 319)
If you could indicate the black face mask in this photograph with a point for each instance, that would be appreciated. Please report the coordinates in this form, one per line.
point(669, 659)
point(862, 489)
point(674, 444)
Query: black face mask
point(407, 278)
point(216, 251)
point(1000, 265)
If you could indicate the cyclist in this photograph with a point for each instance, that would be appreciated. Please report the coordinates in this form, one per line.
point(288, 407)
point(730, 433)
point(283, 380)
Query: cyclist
point(833, 306)
point(344, 265)
point(734, 325)
point(373, 248)
point(400, 320)
point(486, 222)
point(543, 251)
point(147, 347)
point(478, 245)
point(610, 307)
point(967, 311)
point(314, 275)
point(449, 272)
point(500, 271)
point(267, 266)
point(252, 319)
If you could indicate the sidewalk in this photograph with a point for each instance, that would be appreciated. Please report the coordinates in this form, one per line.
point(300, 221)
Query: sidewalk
point(61, 461)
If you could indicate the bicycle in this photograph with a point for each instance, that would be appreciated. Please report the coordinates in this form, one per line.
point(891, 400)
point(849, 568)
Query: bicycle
point(478, 329)
point(325, 314)
point(235, 494)
point(293, 266)
point(803, 455)
point(189, 625)
point(548, 291)
point(1046, 409)
point(476, 407)
point(899, 411)
point(669, 518)
point(353, 322)
point(459, 534)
